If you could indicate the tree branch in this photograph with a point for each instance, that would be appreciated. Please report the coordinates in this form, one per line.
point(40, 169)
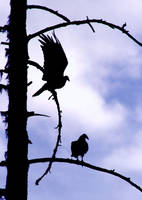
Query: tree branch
point(87, 21)
point(85, 164)
point(49, 10)
point(4, 28)
point(29, 83)
point(55, 97)
point(5, 43)
point(4, 115)
point(3, 87)
point(35, 64)
point(32, 113)
point(2, 71)
point(90, 25)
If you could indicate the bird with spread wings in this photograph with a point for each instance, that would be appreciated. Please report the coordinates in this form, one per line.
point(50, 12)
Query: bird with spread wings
point(55, 63)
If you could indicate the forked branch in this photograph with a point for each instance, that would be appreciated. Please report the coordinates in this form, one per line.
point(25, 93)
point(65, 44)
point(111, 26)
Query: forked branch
point(87, 21)
point(85, 164)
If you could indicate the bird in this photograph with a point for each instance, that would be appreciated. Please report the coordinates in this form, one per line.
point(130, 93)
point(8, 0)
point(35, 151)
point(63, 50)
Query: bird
point(79, 147)
point(55, 63)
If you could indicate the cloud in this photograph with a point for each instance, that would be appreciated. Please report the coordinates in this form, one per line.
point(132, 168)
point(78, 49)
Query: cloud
point(91, 109)
point(90, 70)
point(138, 113)
point(127, 156)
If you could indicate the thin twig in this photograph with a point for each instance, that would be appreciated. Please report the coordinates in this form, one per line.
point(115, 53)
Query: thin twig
point(29, 83)
point(92, 28)
point(3, 71)
point(32, 113)
point(81, 22)
point(4, 115)
point(3, 87)
point(55, 97)
point(5, 43)
point(49, 10)
point(3, 28)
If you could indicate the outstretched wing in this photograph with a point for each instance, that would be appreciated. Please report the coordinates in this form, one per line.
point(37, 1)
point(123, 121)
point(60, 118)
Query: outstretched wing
point(55, 60)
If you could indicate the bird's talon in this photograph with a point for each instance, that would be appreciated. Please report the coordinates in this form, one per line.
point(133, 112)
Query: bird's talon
point(50, 97)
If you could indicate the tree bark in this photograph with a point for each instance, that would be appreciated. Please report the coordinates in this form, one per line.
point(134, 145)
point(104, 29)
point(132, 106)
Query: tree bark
point(17, 161)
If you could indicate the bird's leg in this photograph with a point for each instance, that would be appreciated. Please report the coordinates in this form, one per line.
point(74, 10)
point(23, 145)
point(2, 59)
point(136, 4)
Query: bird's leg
point(82, 160)
point(77, 159)
point(50, 97)
point(54, 94)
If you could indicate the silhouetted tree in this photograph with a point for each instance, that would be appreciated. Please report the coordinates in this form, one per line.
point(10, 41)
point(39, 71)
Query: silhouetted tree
point(17, 162)
point(17, 172)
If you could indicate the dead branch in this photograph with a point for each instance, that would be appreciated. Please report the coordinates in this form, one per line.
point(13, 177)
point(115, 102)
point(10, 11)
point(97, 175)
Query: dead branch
point(90, 25)
point(2, 71)
point(29, 83)
point(3, 87)
point(81, 22)
point(85, 164)
point(35, 64)
point(59, 126)
point(3, 28)
point(49, 10)
point(5, 43)
point(32, 113)
point(81, 163)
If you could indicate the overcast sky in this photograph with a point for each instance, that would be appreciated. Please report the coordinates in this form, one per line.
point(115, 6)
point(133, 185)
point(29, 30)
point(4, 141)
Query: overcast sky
point(103, 99)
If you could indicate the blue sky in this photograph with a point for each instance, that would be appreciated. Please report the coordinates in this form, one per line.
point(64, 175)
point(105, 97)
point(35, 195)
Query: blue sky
point(102, 99)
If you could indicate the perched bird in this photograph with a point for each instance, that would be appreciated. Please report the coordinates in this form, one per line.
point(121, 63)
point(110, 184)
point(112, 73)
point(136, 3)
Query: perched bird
point(79, 147)
point(55, 63)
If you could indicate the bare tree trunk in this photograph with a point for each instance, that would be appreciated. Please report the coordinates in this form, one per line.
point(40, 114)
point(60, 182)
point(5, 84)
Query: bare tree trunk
point(17, 165)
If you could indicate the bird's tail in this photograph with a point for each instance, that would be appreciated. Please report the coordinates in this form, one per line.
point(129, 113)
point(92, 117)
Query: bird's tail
point(42, 89)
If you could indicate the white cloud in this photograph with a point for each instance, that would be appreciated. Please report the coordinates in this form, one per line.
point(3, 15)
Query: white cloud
point(90, 108)
point(126, 157)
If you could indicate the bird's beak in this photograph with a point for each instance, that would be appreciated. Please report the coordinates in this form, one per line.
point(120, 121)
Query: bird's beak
point(68, 79)
point(86, 137)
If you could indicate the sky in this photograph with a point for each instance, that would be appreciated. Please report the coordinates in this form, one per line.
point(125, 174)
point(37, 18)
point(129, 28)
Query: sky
point(103, 99)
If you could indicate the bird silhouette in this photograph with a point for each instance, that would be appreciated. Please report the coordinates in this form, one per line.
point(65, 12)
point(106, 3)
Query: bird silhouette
point(55, 63)
point(79, 147)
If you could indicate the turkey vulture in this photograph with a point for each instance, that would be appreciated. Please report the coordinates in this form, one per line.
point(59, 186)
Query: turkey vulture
point(79, 147)
point(55, 63)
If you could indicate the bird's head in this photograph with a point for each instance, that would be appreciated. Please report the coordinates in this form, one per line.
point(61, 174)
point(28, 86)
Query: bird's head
point(66, 78)
point(84, 136)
